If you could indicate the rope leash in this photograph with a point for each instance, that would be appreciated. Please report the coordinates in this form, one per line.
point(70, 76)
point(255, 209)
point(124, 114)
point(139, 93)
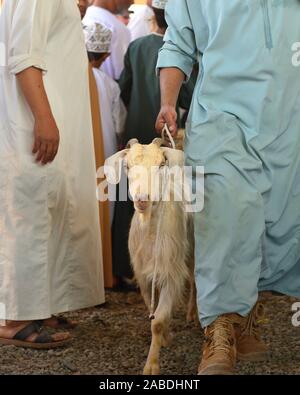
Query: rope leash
point(165, 131)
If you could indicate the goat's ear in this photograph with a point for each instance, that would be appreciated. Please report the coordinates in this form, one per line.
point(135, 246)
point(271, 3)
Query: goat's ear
point(132, 142)
point(174, 157)
point(158, 142)
point(113, 166)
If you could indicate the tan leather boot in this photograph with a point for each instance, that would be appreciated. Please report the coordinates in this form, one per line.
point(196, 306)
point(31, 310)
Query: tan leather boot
point(250, 346)
point(219, 350)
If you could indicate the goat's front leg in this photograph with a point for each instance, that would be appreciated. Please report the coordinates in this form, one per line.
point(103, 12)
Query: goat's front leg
point(159, 327)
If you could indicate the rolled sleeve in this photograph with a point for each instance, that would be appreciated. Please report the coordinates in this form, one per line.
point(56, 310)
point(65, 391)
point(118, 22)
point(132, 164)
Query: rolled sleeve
point(17, 64)
point(169, 56)
point(180, 48)
point(32, 23)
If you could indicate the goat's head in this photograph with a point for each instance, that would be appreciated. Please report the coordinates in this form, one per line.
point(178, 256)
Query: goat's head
point(143, 164)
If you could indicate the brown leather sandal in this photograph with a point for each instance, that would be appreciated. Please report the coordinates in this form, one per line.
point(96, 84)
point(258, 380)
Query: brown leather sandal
point(44, 341)
point(61, 323)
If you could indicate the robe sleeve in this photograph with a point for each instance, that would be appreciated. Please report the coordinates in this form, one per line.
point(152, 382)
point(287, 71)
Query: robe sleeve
point(119, 47)
point(32, 23)
point(180, 48)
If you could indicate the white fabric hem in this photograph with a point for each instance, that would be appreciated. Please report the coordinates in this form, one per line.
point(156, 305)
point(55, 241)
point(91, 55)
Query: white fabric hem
point(60, 310)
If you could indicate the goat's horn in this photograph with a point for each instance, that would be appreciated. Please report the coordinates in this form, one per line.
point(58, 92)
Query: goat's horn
point(132, 142)
point(158, 142)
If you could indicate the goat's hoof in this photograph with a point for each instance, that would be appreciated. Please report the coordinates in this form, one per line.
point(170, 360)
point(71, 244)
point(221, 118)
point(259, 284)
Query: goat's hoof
point(151, 369)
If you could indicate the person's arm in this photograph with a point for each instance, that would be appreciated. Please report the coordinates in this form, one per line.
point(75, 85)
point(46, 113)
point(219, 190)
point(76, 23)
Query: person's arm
point(171, 80)
point(176, 59)
point(46, 134)
point(31, 25)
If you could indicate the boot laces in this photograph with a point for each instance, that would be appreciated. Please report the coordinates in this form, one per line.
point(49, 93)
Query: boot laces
point(219, 336)
point(256, 317)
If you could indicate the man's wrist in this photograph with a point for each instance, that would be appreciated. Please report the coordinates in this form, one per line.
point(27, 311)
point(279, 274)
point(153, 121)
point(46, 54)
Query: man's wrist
point(168, 105)
point(42, 115)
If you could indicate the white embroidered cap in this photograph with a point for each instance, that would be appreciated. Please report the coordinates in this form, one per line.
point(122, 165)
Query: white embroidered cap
point(97, 38)
point(160, 4)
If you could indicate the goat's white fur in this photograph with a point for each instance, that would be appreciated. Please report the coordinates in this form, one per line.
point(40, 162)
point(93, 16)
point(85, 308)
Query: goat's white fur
point(174, 250)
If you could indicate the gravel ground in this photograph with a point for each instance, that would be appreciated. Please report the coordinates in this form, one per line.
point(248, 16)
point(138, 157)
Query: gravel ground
point(114, 339)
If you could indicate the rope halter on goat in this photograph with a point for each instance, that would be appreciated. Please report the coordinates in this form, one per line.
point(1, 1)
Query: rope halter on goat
point(165, 132)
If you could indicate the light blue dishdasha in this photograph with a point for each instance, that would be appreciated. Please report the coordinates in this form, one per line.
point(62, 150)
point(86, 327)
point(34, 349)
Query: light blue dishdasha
point(244, 127)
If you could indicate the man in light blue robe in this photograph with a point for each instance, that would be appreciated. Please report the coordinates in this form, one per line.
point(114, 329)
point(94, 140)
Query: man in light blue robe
point(244, 128)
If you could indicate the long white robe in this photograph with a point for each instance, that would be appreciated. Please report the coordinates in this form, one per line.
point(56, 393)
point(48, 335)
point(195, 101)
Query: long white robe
point(50, 251)
point(113, 111)
point(114, 65)
point(140, 23)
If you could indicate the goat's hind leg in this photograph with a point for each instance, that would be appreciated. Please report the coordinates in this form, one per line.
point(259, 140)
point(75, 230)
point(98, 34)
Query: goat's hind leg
point(146, 293)
point(192, 310)
point(159, 328)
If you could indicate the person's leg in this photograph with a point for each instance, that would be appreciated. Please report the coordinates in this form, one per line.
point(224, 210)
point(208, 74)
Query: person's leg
point(281, 263)
point(229, 234)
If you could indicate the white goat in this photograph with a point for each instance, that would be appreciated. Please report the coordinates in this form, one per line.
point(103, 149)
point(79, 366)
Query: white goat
point(161, 239)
